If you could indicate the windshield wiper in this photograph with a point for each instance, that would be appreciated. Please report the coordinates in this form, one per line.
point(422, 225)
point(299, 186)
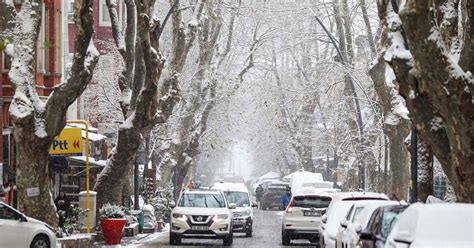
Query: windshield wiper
point(217, 200)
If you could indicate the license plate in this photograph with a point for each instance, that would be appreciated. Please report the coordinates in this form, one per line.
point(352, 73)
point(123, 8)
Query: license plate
point(200, 228)
point(313, 214)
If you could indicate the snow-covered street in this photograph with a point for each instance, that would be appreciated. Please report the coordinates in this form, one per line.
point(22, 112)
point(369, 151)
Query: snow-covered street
point(267, 233)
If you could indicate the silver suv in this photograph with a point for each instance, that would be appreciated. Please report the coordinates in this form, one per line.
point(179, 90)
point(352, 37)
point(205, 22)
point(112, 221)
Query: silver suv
point(202, 214)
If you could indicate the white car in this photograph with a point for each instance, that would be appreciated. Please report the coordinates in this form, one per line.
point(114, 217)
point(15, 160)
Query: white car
point(356, 220)
point(202, 214)
point(434, 225)
point(243, 213)
point(20, 231)
point(331, 221)
point(302, 217)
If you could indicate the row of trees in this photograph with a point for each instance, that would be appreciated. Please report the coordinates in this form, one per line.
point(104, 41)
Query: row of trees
point(291, 80)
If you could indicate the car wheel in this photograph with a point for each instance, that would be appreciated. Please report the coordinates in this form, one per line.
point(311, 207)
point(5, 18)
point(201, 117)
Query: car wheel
point(40, 241)
point(174, 239)
point(228, 240)
point(285, 240)
point(248, 233)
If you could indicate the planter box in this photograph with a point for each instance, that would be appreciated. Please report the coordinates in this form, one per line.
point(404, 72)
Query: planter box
point(76, 241)
point(112, 230)
point(131, 230)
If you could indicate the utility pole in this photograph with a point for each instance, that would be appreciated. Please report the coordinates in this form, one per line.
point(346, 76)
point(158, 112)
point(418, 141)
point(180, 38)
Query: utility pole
point(135, 183)
point(414, 165)
point(138, 158)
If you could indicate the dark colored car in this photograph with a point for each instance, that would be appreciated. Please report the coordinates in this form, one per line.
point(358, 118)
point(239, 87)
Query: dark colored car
point(271, 197)
point(380, 225)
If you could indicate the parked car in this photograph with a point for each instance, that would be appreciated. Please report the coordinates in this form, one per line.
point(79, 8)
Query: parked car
point(271, 197)
point(434, 225)
point(356, 220)
point(340, 204)
point(238, 194)
point(302, 217)
point(18, 230)
point(380, 225)
point(202, 214)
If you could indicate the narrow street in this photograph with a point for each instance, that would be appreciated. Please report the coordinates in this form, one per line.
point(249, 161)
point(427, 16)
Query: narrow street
point(267, 233)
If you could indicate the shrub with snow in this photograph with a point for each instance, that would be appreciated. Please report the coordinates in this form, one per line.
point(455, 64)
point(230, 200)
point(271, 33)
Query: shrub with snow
point(112, 211)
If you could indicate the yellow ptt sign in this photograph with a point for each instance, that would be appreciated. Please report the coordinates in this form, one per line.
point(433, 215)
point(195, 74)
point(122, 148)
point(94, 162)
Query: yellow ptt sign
point(67, 143)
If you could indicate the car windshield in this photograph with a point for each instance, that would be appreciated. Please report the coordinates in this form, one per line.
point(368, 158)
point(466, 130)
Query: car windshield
point(202, 201)
point(311, 201)
point(389, 219)
point(241, 199)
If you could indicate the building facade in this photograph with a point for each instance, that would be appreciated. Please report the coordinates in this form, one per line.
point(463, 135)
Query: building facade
point(48, 74)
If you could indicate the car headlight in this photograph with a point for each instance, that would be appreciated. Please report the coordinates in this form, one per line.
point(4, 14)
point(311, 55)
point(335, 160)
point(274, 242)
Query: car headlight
point(246, 212)
point(180, 217)
point(221, 217)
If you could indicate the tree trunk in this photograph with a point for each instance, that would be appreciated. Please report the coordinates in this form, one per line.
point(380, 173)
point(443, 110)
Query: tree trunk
point(425, 171)
point(36, 122)
point(436, 85)
point(142, 115)
point(32, 175)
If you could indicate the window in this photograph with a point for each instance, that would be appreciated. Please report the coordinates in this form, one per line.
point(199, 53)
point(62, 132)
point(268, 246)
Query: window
point(357, 214)
point(311, 201)
point(104, 18)
point(388, 221)
point(7, 62)
point(70, 11)
point(202, 201)
point(349, 213)
point(7, 213)
point(241, 199)
point(42, 44)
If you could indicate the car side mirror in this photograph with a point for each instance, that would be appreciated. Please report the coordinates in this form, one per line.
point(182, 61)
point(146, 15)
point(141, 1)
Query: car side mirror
point(366, 235)
point(343, 223)
point(254, 204)
point(232, 206)
point(172, 204)
point(22, 218)
point(358, 227)
point(324, 219)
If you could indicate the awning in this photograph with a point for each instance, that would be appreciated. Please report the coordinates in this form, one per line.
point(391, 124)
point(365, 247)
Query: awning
point(93, 136)
point(92, 161)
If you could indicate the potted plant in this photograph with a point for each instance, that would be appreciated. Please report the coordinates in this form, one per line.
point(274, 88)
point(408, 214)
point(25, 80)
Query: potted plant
point(112, 221)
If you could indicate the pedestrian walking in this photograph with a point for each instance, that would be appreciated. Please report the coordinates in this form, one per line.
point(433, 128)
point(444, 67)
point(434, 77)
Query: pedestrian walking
point(258, 194)
point(62, 206)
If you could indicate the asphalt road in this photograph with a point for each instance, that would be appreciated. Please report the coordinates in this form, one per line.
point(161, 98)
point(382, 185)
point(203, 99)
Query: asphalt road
point(267, 233)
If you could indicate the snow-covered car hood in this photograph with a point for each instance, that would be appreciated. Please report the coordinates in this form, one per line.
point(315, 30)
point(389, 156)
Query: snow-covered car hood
point(247, 211)
point(35, 221)
point(200, 211)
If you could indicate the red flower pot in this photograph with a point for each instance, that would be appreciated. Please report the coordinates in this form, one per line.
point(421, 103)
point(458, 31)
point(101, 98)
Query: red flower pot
point(112, 230)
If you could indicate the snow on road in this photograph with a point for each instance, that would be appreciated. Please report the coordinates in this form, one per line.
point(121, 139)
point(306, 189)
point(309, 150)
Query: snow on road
point(267, 233)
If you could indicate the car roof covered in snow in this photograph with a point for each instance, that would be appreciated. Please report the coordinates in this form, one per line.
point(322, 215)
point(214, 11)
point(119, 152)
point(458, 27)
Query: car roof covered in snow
point(202, 191)
point(354, 196)
point(310, 191)
point(437, 224)
point(238, 187)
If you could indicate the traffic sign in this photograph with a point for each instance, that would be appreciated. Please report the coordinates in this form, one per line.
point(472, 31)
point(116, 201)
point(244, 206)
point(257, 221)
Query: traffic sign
point(67, 143)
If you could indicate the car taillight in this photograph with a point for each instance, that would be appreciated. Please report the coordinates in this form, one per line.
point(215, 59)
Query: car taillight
point(289, 209)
